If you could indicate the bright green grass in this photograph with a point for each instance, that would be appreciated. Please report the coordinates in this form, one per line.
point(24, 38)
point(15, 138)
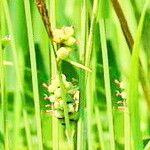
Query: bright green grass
point(101, 56)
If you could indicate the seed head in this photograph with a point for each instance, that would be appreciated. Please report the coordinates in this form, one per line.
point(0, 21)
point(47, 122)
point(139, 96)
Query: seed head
point(69, 31)
point(58, 35)
point(70, 41)
point(63, 53)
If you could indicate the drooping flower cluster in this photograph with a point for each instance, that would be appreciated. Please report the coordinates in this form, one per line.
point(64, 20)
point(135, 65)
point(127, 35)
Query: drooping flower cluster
point(121, 94)
point(56, 102)
point(65, 39)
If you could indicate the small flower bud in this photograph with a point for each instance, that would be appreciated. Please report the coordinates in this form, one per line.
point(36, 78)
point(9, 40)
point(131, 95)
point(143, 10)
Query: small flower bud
point(70, 41)
point(58, 114)
point(51, 88)
point(69, 31)
point(68, 85)
point(57, 92)
point(124, 95)
point(52, 98)
point(61, 104)
point(55, 82)
point(63, 53)
point(70, 108)
point(58, 35)
point(48, 105)
point(56, 105)
point(76, 95)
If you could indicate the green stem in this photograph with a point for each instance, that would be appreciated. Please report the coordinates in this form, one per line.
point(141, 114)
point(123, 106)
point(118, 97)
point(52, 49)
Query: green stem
point(81, 129)
point(65, 97)
point(27, 129)
point(107, 83)
point(100, 129)
point(18, 86)
point(133, 100)
point(91, 33)
point(34, 73)
point(3, 99)
point(123, 23)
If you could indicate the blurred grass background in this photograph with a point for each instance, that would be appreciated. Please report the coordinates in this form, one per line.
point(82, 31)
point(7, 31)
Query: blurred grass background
point(26, 62)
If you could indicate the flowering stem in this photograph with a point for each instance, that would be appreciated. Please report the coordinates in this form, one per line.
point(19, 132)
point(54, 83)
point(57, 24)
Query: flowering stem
point(44, 14)
point(65, 97)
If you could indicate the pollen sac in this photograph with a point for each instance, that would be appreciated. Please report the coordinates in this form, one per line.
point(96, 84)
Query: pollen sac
point(56, 101)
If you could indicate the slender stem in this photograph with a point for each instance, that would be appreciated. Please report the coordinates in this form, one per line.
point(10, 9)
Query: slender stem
point(44, 14)
point(133, 100)
point(3, 100)
point(107, 83)
point(100, 129)
point(81, 134)
point(90, 37)
point(123, 23)
point(27, 129)
point(127, 132)
point(18, 86)
point(45, 17)
point(34, 73)
point(53, 67)
point(64, 96)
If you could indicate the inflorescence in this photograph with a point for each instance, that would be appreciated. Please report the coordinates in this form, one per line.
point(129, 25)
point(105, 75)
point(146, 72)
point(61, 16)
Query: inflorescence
point(56, 102)
point(64, 39)
point(121, 94)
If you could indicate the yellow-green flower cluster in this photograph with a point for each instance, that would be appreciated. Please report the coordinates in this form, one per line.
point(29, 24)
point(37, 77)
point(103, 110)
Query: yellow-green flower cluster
point(121, 95)
point(56, 102)
point(65, 39)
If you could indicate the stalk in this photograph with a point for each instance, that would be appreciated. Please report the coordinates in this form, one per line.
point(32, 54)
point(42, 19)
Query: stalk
point(27, 129)
point(107, 83)
point(53, 67)
point(99, 127)
point(18, 87)
point(3, 100)
point(34, 73)
point(133, 100)
point(81, 128)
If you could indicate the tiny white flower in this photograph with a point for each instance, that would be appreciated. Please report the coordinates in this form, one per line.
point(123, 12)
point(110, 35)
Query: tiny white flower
point(71, 108)
point(52, 98)
point(76, 95)
point(57, 92)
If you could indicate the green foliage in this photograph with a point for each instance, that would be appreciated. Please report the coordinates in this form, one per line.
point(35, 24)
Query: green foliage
point(97, 55)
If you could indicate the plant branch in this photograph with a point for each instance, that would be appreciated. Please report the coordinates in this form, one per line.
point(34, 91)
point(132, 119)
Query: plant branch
point(44, 14)
point(123, 23)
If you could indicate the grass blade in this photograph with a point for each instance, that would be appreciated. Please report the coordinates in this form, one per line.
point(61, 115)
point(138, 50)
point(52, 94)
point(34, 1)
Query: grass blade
point(34, 73)
point(107, 83)
point(133, 100)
